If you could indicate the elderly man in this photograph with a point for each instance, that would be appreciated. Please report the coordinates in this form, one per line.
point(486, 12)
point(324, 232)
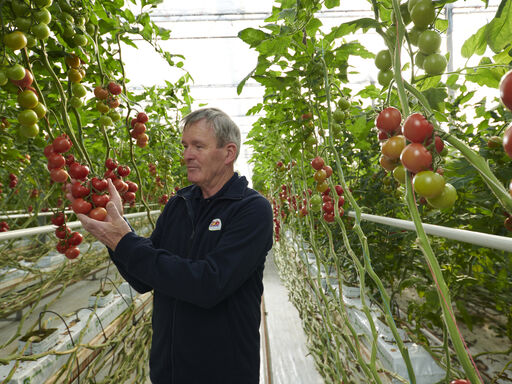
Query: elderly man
point(204, 262)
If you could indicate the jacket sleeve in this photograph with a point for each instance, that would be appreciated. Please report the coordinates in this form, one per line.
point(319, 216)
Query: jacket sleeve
point(138, 285)
point(208, 279)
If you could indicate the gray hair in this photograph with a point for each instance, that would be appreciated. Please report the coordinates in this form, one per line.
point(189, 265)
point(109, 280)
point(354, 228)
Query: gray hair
point(225, 129)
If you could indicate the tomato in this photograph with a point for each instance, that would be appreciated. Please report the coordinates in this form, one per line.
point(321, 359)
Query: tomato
point(339, 190)
point(328, 170)
point(100, 200)
point(43, 3)
point(79, 190)
point(120, 185)
point(105, 121)
point(114, 115)
point(343, 103)
point(329, 217)
point(75, 102)
point(143, 118)
point(429, 42)
point(460, 381)
point(387, 163)
point(114, 88)
point(100, 184)
point(129, 197)
point(383, 60)
point(81, 206)
point(75, 239)
point(27, 117)
point(139, 128)
point(56, 161)
point(428, 184)
point(74, 75)
point(417, 128)
point(102, 107)
point(506, 90)
point(123, 170)
point(341, 201)
point(393, 147)
point(142, 140)
point(508, 223)
point(72, 253)
point(414, 35)
point(80, 40)
point(320, 175)
point(100, 92)
point(446, 199)
point(507, 141)
point(26, 81)
point(41, 31)
point(29, 131)
point(58, 219)
point(23, 23)
point(388, 120)
point(338, 115)
point(58, 175)
point(317, 163)
point(98, 213)
point(494, 142)
point(78, 171)
point(114, 103)
point(48, 150)
point(385, 77)
point(62, 246)
point(434, 64)
point(62, 232)
point(40, 110)
point(27, 99)
point(416, 158)
point(326, 198)
point(15, 73)
point(423, 13)
point(322, 187)
point(315, 202)
point(15, 40)
point(399, 174)
point(78, 90)
point(328, 207)
point(439, 144)
point(61, 144)
point(3, 78)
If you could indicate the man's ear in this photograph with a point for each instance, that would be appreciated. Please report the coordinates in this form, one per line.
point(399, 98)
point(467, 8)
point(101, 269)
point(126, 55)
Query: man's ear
point(231, 150)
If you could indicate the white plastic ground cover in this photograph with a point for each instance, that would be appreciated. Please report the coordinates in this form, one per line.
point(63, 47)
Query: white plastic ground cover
point(38, 371)
point(426, 370)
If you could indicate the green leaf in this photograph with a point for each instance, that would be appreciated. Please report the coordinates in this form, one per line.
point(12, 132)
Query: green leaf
point(288, 14)
point(252, 36)
point(360, 130)
point(436, 97)
point(244, 80)
point(442, 25)
point(499, 30)
point(350, 27)
point(475, 44)
point(275, 46)
point(489, 77)
point(331, 3)
point(128, 15)
point(312, 26)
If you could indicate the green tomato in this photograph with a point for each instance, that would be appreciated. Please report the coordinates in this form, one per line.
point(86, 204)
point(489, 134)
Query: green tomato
point(105, 121)
point(399, 174)
point(446, 199)
point(40, 110)
point(428, 184)
point(338, 115)
point(43, 16)
point(423, 13)
point(78, 90)
point(20, 8)
point(69, 31)
point(23, 23)
point(3, 78)
point(27, 99)
point(80, 40)
point(27, 117)
point(29, 131)
point(343, 103)
point(16, 72)
point(41, 31)
point(429, 42)
point(15, 40)
point(383, 60)
point(31, 41)
point(420, 59)
point(114, 115)
point(75, 102)
point(434, 64)
point(316, 202)
point(43, 3)
point(414, 35)
point(384, 77)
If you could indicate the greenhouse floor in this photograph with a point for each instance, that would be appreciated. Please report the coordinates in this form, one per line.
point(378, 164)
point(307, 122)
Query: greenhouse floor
point(285, 342)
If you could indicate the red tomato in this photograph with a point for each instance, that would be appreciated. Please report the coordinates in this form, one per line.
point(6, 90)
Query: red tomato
point(138, 129)
point(100, 92)
point(328, 170)
point(417, 128)
point(506, 90)
point(129, 197)
point(58, 175)
point(56, 161)
point(328, 207)
point(99, 184)
point(121, 186)
point(62, 232)
point(388, 120)
point(79, 190)
point(339, 190)
point(507, 141)
point(123, 170)
point(58, 219)
point(81, 206)
point(78, 171)
point(110, 164)
point(460, 381)
point(61, 144)
point(114, 88)
point(132, 187)
point(70, 159)
point(72, 253)
point(317, 163)
point(62, 246)
point(100, 200)
point(48, 150)
point(439, 143)
point(142, 117)
point(329, 217)
point(416, 158)
point(75, 239)
point(26, 81)
point(98, 213)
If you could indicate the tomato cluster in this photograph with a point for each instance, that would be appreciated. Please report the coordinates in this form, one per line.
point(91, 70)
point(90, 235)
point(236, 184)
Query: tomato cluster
point(107, 102)
point(68, 241)
point(138, 130)
point(115, 172)
point(56, 161)
point(13, 180)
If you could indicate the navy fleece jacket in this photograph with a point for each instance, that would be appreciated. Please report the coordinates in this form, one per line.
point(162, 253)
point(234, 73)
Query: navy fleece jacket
point(204, 262)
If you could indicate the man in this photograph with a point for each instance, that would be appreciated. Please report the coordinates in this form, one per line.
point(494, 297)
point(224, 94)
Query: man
point(204, 262)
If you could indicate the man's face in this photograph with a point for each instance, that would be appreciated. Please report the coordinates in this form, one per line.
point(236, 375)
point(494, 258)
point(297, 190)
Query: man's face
point(204, 161)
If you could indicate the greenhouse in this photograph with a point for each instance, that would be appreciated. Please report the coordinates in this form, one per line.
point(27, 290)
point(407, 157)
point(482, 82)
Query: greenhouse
point(255, 192)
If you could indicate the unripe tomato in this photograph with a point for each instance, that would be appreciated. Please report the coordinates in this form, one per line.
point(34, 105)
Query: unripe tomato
point(399, 174)
point(41, 31)
point(29, 131)
point(423, 13)
point(446, 199)
point(27, 99)
point(383, 60)
point(26, 81)
point(428, 184)
point(387, 163)
point(27, 117)
point(393, 147)
point(15, 73)
point(40, 110)
point(385, 77)
point(15, 40)
point(322, 187)
point(73, 61)
point(78, 90)
point(320, 175)
point(435, 64)
point(429, 42)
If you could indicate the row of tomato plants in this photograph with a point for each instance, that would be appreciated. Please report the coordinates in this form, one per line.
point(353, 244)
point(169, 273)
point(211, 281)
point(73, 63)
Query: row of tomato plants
point(438, 166)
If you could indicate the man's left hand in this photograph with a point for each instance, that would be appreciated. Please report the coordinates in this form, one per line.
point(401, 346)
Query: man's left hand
point(110, 231)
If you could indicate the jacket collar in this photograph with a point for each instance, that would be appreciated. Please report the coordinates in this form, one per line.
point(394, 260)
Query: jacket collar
point(235, 189)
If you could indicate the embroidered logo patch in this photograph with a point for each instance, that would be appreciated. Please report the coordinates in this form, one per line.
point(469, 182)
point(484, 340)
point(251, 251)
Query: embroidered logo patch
point(215, 225)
